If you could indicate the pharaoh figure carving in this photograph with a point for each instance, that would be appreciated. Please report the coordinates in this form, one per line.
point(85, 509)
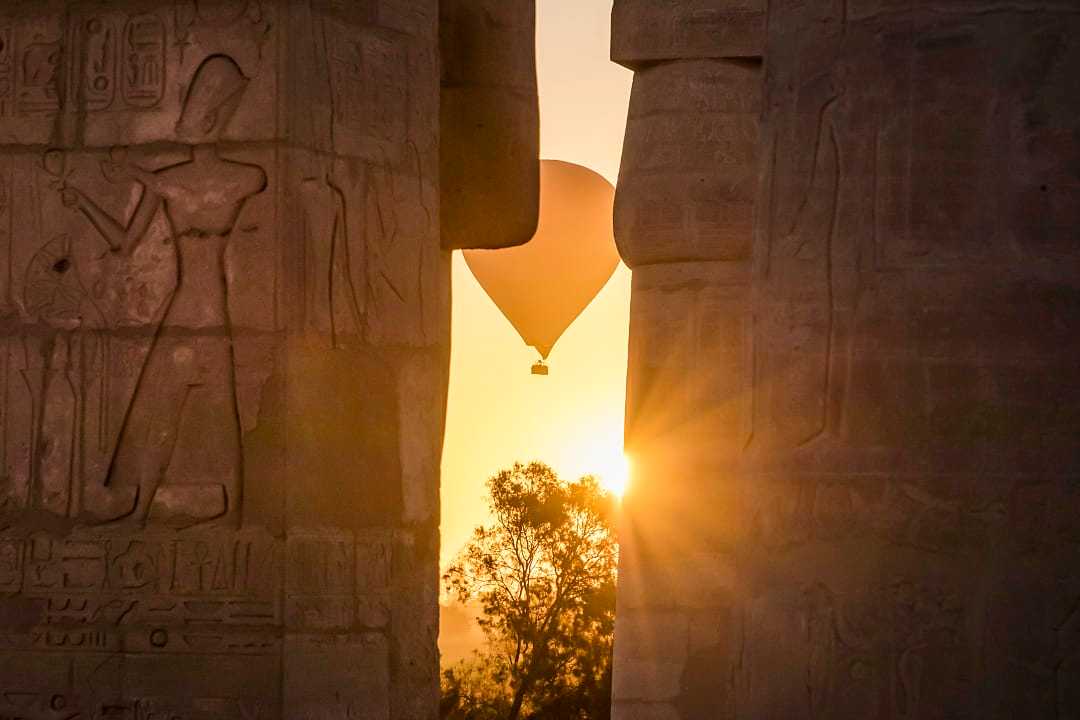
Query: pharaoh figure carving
point(179, 449)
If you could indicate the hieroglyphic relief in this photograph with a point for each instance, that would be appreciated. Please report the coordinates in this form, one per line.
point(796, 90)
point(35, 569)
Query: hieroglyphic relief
point(884, 652)
point(102, 61)
point(123, 57)
point(38, 77)
point(172, 606)
point(168, 603)
point(320, 585)
point(369, 102)
point(62, 701)
point(91, 578)
point(89, 685)
point(144, 61)
point(869, 206)
point(901, 512)
point(241, 25)
point(37, 54)
point(100, 41)
point(52, 67)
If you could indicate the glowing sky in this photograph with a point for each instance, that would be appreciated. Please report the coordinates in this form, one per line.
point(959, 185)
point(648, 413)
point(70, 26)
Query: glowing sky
point(498, 412)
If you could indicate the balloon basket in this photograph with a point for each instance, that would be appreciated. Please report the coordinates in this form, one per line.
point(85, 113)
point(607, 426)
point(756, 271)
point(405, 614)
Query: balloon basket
point(540, 368)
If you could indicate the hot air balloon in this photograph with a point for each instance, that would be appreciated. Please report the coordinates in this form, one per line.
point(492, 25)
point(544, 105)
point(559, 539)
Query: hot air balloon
point(541, 287)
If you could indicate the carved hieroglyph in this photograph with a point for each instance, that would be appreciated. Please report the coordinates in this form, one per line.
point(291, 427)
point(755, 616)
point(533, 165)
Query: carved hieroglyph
point(852, 362)
point(223, 354)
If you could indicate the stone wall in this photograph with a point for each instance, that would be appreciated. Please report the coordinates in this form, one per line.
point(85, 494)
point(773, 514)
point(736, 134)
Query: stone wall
point(224, 311)
point(852, 401)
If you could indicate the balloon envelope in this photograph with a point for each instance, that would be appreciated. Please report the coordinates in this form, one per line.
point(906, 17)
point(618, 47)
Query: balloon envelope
point(542, 286)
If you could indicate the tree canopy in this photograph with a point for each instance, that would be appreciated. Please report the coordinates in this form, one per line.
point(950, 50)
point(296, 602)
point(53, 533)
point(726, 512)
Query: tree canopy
point(543, 573)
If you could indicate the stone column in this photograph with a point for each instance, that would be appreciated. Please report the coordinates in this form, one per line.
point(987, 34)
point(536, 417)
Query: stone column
point(224, 309)
point(854, 423)
point(683, 222)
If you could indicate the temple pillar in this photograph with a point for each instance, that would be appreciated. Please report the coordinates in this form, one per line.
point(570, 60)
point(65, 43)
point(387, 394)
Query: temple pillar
point(851, 410)
point(224, 339)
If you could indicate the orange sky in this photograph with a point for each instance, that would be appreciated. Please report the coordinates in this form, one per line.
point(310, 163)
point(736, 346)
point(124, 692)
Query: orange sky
point(498, 412)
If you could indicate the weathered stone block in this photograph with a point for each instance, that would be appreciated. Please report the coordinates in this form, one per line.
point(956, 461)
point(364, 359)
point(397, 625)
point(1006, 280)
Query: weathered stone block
point(690, 379)
point(490, 123)
point(649, 678)
point(645, 32)
point(647, 711)
point(689, 171)
point(334, 676)
point(652, 633)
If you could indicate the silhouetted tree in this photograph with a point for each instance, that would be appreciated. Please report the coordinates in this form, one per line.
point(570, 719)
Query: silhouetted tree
point(544, 575)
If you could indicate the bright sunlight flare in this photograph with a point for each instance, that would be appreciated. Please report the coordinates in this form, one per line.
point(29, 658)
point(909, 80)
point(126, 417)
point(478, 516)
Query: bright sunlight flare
point(614, 475)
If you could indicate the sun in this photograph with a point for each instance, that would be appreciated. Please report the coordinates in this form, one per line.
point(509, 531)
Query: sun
point(614, 475)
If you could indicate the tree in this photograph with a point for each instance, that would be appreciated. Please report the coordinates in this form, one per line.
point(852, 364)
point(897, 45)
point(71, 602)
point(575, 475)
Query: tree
point(544, 575)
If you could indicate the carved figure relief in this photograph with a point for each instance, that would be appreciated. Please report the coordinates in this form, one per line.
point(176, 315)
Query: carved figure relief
point(333, 305)
point(799, 249)
point(178, 452)
point(881, 653)
point(871, 202)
